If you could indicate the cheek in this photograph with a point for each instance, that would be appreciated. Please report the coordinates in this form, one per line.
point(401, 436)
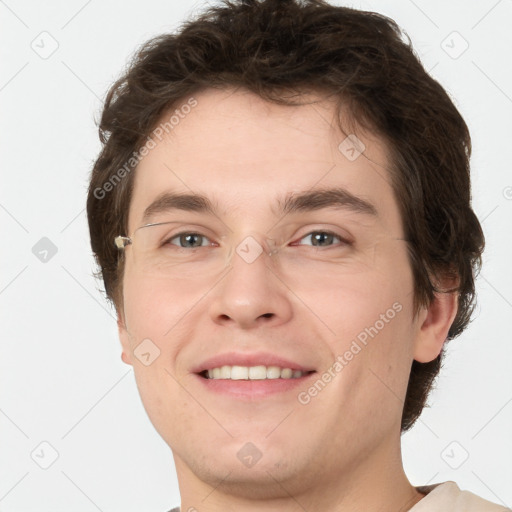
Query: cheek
point(155, 307)
point(156, 323)
point(368, 320)
point(348, 304)
point(154, 316)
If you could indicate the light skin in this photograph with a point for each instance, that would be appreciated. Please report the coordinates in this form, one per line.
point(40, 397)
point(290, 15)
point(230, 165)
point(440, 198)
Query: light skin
point(341, 451)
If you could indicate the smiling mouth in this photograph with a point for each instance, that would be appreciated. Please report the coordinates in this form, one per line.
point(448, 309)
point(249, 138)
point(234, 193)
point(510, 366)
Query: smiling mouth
point(253, 373)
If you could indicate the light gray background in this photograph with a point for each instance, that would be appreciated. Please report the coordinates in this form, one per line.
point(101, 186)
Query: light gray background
point(62, 379)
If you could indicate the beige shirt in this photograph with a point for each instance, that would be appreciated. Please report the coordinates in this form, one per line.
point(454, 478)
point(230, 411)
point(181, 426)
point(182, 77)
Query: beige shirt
point(447, 497)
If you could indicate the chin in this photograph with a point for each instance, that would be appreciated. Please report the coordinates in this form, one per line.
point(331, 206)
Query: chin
point(261, 481)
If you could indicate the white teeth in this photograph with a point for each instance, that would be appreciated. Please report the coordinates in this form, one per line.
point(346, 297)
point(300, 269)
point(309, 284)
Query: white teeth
point(253, 373)
point(257, 372)
point(239, 372)
point(273, 372)
point(286, 373)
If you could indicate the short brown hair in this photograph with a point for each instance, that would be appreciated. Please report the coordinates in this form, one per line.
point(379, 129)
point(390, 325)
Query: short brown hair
point(363, 60)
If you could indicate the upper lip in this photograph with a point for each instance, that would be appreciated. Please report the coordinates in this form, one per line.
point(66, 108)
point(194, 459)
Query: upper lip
point(249, 359)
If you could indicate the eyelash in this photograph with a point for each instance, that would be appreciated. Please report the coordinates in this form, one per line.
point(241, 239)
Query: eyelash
point(343, 240)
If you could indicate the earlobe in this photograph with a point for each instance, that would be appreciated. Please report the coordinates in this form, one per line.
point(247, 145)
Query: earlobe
point(125, 358)
point(435, 326)
point(124, 338)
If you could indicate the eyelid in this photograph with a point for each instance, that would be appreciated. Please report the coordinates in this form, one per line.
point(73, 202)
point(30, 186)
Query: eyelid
point(181, 229)
point(343, 235)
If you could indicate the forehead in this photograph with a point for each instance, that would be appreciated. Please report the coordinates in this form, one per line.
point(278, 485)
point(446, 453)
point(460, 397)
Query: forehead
point(246, 153)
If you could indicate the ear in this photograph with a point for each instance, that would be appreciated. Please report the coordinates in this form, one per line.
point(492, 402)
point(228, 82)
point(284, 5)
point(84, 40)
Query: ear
point(124, 337)
point(436, 321)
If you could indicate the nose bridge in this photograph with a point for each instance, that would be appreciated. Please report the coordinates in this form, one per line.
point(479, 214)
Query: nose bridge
point(254, 245)
point(250, 290)
point(250, 260)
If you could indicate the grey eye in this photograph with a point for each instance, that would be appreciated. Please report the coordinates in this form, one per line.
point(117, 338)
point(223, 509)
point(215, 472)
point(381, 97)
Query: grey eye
point(321, 238)
point(190, 240)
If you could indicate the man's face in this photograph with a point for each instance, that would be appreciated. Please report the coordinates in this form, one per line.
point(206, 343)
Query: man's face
point(272, 281)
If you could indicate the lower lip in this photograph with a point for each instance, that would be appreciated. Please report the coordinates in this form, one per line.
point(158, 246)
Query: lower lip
point(251, 389)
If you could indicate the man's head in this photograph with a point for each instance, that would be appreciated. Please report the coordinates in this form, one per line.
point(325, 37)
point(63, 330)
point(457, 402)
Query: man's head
point(247, 105)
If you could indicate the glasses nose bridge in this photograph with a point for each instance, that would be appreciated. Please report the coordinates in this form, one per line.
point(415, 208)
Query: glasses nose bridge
point(253, 245)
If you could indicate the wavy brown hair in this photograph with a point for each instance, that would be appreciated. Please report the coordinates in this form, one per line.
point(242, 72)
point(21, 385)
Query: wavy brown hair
point(277, 49)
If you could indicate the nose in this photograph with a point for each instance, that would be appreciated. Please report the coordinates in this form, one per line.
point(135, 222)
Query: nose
point(252, 293)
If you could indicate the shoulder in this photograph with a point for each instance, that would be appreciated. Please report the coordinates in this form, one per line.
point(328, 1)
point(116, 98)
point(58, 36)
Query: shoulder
point(448, 496)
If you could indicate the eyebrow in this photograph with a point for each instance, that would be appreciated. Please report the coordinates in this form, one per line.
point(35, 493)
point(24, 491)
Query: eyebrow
point(319, 199)
point(304, 201)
